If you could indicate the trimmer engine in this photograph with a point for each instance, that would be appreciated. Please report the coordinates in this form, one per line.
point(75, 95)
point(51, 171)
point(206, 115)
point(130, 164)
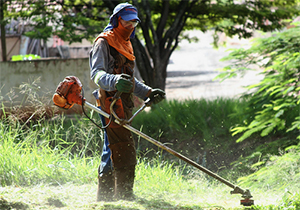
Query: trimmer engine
point(68, 93)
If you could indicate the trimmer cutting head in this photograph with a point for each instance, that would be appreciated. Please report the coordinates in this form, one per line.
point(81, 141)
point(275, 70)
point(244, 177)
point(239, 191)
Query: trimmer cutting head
point(247, 202)
point(246, 196)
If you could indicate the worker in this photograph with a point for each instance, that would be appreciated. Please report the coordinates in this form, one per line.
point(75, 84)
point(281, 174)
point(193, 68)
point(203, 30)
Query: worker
point(111, 64)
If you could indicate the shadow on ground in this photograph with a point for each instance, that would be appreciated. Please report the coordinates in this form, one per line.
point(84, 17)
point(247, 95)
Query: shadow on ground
point(5, 205)
point(188, 73)
point(153, 204)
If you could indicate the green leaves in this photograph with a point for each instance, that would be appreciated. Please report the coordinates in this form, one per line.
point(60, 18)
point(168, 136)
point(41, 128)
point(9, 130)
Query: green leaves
point(274, 102)
point(71, 20)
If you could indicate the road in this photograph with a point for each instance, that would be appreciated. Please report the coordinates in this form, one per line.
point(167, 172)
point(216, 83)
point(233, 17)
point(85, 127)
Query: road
point(193, 67)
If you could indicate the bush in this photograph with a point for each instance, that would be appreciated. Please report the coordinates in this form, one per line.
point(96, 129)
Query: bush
point(273, 105)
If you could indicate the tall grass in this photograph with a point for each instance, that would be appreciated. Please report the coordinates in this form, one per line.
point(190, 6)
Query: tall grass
point(194, 124)
point(86, 138)
point(281, 172)
point(29, 158)
point(289, 201)
point(188, 119)
point(67, 150)
point(41, 154)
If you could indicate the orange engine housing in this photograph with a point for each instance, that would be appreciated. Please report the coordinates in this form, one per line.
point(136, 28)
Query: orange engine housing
point(68, 93)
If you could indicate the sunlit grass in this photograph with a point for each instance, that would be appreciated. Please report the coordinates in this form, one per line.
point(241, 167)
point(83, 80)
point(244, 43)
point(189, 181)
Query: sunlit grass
point(27, 161)
point(35, 174)
point(52, 163)
point(54, 173)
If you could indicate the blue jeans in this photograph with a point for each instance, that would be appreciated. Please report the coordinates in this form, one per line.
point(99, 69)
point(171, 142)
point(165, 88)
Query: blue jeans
point(106, 163)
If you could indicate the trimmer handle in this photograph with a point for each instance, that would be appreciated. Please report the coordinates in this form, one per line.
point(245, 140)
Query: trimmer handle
point(117, 95)
point(125, 121)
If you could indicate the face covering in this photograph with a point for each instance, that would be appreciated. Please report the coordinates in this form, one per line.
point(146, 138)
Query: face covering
point(119, 38)
point(122, 31)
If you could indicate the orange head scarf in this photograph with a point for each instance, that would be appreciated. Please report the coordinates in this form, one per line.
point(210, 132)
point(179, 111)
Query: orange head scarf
point(119, 38)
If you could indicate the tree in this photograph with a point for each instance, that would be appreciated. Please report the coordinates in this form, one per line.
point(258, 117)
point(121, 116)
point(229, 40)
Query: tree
point(274, 104)
point(2, 29)
point(163, 24)
point(70, 20)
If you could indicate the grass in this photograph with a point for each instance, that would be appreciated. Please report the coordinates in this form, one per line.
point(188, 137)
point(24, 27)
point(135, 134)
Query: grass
point(157, 186)
point(198, 129)
point(51, 163)
point(36, 175)
point(70, 196)
point(191, 118)
point(28, 157)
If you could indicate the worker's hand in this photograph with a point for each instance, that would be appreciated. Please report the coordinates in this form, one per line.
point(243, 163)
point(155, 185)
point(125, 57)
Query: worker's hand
point(157, 95)
point(124, 83)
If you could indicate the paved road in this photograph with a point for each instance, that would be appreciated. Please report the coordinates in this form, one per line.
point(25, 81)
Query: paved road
point(194, 65)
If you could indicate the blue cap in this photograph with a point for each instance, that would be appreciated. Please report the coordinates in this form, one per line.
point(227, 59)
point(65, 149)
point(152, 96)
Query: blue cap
point(129, 13)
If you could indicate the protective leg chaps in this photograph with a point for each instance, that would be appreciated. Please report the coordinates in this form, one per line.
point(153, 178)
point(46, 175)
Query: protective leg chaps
point(124, 180)
point(106, 185)
point(124, 161)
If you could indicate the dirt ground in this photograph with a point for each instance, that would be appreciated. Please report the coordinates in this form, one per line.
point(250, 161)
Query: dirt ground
point(193, 67)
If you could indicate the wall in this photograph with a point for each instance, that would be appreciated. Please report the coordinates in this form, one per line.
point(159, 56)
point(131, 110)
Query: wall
point(50, 71)
point(73, 52)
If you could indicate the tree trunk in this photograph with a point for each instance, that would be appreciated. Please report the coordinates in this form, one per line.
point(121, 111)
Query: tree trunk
point(160, 40)
point(3, 36)
point(160, 64)
point(143, 61)
point(160, 76)
point(152, 70)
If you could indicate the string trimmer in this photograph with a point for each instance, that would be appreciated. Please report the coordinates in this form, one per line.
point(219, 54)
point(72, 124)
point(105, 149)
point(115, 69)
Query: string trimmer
point(68, 93)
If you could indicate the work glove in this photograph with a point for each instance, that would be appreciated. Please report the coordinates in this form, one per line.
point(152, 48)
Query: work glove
point(124, 83)
point(157, 95)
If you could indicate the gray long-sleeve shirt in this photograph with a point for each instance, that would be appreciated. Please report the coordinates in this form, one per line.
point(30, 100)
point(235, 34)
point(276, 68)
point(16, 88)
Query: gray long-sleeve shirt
point(102, 66)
